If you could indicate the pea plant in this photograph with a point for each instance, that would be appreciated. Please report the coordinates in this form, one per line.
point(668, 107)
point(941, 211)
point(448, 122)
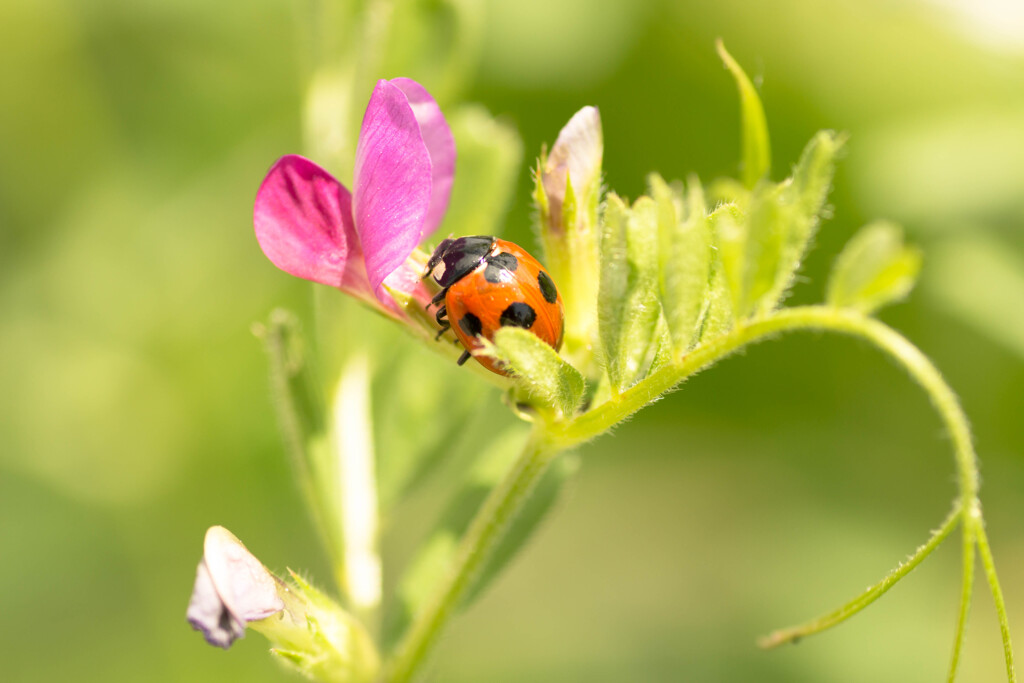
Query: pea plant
point(655, 290)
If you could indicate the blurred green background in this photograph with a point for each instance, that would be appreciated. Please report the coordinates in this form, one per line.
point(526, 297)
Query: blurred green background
point(134, 409)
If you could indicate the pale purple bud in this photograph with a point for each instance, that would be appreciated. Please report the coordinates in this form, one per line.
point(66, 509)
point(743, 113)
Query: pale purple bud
point(232, 588)
point(576, 156)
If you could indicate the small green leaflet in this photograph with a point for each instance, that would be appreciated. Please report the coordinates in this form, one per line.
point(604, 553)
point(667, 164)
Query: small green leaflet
point(684, 259)
point(628, 306)
point(757, 154)
point(540, 369)
point(874, 269)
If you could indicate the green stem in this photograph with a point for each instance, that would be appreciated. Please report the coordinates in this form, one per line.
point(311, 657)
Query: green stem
point(480, 540)
point(597, 421)
point(966, 588)
point(855, 324)
point(997, 593)
point(548, 439)
point(795, 633)
point(299, 405)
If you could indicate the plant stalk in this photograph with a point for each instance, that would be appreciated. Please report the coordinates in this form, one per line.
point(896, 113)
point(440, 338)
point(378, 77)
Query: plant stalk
point(550, 438)
point(476, 547)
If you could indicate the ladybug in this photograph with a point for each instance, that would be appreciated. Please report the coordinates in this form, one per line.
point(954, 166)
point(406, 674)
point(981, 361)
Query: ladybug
point(488, 283)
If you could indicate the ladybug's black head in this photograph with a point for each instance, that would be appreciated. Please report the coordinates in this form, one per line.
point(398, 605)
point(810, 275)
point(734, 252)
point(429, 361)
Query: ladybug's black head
point(454, 259)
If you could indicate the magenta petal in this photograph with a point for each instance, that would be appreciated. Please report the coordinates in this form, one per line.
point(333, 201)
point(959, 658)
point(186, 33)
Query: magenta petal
point(303, 219)
point(440, 145)
point(392, 184)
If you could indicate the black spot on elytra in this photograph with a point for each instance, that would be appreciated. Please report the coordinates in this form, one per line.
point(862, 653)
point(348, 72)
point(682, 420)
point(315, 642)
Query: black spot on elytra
point(547, 287)
point(518, 315)
point(470, 324)
point(499, 265)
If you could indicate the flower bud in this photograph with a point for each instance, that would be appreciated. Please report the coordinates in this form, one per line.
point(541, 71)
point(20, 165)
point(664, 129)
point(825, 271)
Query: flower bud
point(568, 191)
point(234, 591)
point(573, 171)
point(232, 588)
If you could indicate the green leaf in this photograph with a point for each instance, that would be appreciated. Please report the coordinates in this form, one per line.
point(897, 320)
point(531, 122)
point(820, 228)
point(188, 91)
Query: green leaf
point(802, 205)
point(786, 216)
point(812, 177)
point(718, 314)
point(729, 229)
point(874, 269)
point(628, 307)
point(769, 220)
point(663, 353)
point(753, 126)
point(762, 245)
point(540, 369)
point(684, 259)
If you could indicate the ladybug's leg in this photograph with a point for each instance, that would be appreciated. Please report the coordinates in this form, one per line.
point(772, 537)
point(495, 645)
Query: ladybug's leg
point(442, 321)
point(466, 355)
point(438, 298)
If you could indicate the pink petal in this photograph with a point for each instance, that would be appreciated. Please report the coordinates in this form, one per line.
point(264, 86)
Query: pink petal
point(303, 219)
point(440, 145)
point(407, 281)
point(392, 184)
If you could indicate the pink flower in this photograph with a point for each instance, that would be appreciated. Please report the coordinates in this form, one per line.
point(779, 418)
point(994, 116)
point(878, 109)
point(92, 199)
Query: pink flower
point(309, 225)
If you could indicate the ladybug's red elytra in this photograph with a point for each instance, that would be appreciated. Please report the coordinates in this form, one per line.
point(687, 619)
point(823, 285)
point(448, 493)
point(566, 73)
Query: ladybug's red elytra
point(488, 283)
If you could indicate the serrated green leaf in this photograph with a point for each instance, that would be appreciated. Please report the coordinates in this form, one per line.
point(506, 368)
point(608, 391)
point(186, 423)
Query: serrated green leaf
point(628, 307)
point(718, 316)
point(753, 125)
point(684, 259)
point(614, 284)
point(768, 222)
point(540, 369)
point(662, 351)
point(802, 205)
point(794, 209)
point(729, 230)
point(874, 269)
point(812, 177)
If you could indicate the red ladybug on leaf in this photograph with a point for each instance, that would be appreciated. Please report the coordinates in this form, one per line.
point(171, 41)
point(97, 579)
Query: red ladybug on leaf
point(488, 283)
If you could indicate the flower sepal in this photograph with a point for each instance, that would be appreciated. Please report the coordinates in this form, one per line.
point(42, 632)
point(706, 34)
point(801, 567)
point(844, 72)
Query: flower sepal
point(319, 639)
